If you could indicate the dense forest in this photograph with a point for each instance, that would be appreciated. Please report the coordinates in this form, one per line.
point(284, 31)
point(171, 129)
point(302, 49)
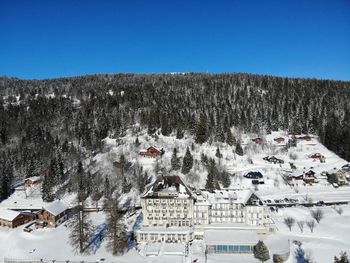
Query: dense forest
point(48, 126)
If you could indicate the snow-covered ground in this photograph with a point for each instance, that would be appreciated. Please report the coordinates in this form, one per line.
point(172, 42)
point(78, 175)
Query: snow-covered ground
point(330, 237)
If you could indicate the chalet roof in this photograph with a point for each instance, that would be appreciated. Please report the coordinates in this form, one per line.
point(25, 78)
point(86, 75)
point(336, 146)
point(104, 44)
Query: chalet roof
point(8, 215)
point(154, 148)
point(33, 179)
point(56, 207)
point(168, 186)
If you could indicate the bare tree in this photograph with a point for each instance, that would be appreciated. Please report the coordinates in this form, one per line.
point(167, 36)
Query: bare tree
point(289, 221)
point(317, 214)
point(301, 225)
point(311, 225)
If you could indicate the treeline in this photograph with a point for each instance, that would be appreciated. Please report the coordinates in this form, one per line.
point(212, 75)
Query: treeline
point(48, 125)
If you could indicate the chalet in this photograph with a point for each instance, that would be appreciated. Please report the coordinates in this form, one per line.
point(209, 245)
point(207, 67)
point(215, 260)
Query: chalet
point(316, 156)
point(253, 175)
point(279, 140)
point(257, 140)
point(12, 219)
point(53, 214)
point(309, 177)
point(32, 181)
point(341, 176)
point(273, 159)
point(305, 137)
point(152, 152)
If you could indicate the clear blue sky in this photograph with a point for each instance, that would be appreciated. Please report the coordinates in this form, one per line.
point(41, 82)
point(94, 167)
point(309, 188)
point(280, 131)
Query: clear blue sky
point(45, 39)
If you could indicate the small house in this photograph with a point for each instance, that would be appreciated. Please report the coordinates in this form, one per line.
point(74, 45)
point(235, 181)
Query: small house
point(305, 137)
point(279, 140)
point(257, 140)
point(316, 156)
point(341, 176)
point(273, 159)
point(12, 219)
point(53, 214)
point(32, 181)
point(254, 175)
point(309, 177)
point(152, 152)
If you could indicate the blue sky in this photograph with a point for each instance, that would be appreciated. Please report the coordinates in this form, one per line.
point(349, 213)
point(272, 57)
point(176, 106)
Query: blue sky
point(45, 39)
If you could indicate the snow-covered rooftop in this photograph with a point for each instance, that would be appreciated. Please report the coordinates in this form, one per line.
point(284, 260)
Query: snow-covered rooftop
point(33, 178)
point(231, 237)
point(8, 215)
point(225, 196)
point(56, 207)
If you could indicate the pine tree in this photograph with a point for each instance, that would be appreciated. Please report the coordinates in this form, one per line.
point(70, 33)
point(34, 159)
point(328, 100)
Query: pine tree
point(201, 131)
point(239, 150)
point(46, 189)
point(117, 238)
point(261, 252)
point(137, 142)
point(230, 140)
point(187, 162)
point(175, 161)
point(218, 153)
point(179, 133)
point(81, 229)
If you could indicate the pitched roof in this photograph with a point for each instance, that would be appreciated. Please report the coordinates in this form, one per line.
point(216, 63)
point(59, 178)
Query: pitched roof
point(8, 215)
point(56, 207)
point(34, 178)
point(169, 186)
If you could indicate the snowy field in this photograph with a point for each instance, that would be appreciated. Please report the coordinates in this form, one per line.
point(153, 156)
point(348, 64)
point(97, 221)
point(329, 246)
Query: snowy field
point(330, 237)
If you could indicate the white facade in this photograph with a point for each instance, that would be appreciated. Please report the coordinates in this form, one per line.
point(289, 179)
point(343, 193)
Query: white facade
point(171, 210)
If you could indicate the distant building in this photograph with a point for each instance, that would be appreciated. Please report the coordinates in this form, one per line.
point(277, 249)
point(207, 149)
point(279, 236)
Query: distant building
point(316, 156)
point(273, 159)
point(257, 140)
point(253, 175)
point(32, 181)
point(12, 219)
point(304, 137)
point(152, 152)
point(279, 140)
point(53, 214)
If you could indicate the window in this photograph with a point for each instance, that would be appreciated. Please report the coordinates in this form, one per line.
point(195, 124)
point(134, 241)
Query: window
point(245, 248)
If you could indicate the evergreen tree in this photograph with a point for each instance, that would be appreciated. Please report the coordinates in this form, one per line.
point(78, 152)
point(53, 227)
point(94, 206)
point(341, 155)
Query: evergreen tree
point(137, 143)
point(261, 252)
point(117, 238)
point(179, 133)
point(239, 150)
point(230, 140)
point(201, 131)
point(175, 161)
point(187, 162)
point(218, 153)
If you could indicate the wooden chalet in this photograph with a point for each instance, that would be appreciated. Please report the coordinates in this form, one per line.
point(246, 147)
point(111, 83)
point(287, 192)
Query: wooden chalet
point(279, 140)
point(32, 181)
point(152, 152)
point(53, 214)
point(12, 219)
point(316, 156)
point(305, 137)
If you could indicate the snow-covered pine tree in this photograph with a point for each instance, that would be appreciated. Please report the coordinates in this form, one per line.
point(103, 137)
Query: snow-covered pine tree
point(261, 252)
point(187, 162)
point(175, 161)
point(117, 237)
point(201, 135)
point(81, 229)
point(218, 154)
point(239, 149)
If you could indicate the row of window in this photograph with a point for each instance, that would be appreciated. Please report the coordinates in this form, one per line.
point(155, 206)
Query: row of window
point(230, 249)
